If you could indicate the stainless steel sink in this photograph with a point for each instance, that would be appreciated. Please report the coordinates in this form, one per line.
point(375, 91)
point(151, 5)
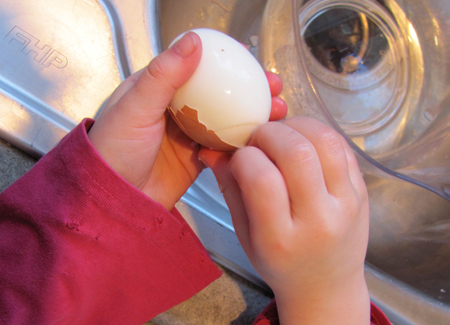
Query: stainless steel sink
point(60, 61)
point(408, 261)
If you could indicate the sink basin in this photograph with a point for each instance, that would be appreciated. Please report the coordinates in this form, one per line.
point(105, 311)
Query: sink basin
point(408, 260)
point(54, 71)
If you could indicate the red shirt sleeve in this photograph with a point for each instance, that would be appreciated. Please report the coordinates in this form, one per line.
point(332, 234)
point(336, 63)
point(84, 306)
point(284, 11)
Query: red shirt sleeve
point(269, 316)
point(79, 245)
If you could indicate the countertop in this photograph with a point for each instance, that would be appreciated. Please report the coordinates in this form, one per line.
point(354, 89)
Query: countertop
point(229, 300)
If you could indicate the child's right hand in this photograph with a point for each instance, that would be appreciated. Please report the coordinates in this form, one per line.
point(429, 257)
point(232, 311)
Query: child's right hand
point(135, 135)
point(300, 210)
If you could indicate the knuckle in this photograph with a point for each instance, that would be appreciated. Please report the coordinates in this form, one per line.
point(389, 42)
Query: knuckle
point(353, 204)
point(330, 139)
point(327, 229)
point(356, 198)
point(329, 221)
point(156, 71)
point(278, 248)
point(281, 248)
point(364, 194)
point(299, 151)
point(156, 68)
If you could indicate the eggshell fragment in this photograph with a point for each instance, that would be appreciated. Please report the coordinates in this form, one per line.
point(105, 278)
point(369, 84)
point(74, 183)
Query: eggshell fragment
point(187, 120)
point(227, 97)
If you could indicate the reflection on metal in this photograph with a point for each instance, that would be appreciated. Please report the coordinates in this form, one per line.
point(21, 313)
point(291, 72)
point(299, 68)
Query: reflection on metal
point(59, 61)
point(405, 274)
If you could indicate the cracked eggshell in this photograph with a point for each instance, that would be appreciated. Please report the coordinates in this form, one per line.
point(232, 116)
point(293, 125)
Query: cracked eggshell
point(227, 97)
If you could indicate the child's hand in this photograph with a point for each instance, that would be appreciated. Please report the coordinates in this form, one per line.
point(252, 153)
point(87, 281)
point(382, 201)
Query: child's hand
point(137, 138)
point(300, 210)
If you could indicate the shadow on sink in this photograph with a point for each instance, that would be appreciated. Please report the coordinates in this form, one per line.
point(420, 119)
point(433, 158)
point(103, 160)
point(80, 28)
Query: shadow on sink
point(408, 259)
point(412, 241)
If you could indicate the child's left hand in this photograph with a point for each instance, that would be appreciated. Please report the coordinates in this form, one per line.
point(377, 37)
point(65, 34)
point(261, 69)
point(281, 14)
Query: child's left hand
point(301, 212)
point(137, 138)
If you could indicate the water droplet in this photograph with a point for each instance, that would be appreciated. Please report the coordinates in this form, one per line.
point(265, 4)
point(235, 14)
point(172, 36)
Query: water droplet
point(429, 115)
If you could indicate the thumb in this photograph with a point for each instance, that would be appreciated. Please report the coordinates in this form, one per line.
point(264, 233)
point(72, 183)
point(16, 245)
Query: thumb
point(130, 129)
point(145, 95)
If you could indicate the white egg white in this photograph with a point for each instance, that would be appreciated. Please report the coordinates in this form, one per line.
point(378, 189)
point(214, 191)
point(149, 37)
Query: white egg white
point(229, 90)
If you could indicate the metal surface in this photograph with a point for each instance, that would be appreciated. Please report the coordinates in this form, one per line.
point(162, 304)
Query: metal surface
point(408, 260)
point(60, 61)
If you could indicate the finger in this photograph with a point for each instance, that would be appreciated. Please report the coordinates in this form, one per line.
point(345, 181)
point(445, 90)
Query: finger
point(147, 99)
point(354, 171)
point(275, 83)
point(218, 162)
point(296, 158)
point(278, 110)
point(264, 194)
point(329, 145)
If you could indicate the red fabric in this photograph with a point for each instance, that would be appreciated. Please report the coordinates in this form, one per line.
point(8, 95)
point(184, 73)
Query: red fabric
point(377, 317)
point(79, 245)
point(269, 316)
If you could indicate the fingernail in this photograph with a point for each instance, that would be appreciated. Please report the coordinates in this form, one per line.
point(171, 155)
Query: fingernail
point(186, 45)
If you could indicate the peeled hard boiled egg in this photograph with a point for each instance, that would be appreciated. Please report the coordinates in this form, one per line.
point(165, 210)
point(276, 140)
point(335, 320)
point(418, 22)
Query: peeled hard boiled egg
point(227, 97)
